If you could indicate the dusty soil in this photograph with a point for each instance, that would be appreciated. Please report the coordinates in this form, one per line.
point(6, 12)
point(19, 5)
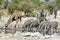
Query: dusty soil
point(29, 35)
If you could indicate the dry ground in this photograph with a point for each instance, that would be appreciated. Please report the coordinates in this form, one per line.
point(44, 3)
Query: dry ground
point(30, 36)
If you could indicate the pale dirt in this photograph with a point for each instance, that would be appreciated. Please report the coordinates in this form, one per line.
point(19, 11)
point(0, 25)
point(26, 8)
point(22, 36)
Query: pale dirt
point(29, 35)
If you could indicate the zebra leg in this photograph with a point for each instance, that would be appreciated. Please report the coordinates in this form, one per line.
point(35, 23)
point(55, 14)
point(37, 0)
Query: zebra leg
point(40, 27)
point(43, 30)
point(56, 30)
point(43, 33)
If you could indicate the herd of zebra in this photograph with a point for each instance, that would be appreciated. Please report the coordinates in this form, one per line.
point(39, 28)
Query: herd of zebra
point(41, 24)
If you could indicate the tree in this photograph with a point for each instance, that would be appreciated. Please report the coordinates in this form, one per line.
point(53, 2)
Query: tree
point(5, 3)
point(57, 2)
point(0, 2)
point(51, 6)
point(22, 5)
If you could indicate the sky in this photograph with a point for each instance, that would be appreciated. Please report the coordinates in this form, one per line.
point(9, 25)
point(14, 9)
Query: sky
point(43, 0)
